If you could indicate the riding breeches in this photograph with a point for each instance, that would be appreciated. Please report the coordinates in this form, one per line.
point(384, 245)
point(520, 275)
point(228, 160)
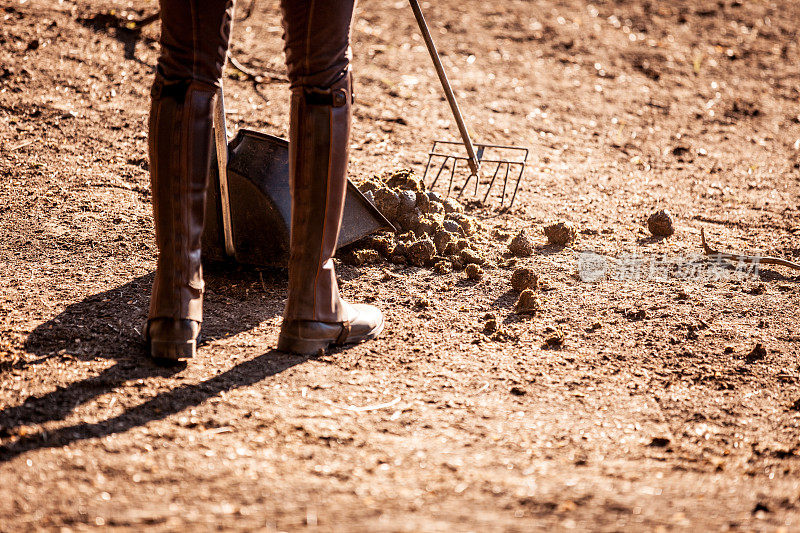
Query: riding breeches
point(195, 35)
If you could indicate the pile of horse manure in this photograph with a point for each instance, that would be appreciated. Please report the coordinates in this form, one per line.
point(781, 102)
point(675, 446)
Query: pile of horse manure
point(432, 231)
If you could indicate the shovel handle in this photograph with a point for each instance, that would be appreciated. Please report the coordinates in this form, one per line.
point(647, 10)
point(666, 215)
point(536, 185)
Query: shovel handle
point(472, 160)
point(221, 144)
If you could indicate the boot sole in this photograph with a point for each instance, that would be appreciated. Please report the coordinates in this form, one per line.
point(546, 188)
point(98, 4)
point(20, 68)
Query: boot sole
point(301, 346)
point(172, 350)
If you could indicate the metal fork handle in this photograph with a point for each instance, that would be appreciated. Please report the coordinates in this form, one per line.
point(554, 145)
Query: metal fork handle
point(472, 160)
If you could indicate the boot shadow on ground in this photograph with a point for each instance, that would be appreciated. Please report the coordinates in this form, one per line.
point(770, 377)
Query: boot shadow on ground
point(158, 408)
point(108, 325)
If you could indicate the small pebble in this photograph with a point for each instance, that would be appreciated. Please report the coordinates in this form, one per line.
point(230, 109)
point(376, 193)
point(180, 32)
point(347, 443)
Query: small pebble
point(474, 272)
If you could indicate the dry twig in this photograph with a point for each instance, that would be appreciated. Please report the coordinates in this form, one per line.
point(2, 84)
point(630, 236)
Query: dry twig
point(748, 259)
point(253, 75)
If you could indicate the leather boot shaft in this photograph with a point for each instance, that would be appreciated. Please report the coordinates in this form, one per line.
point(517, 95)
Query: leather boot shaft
point(180, 146)
point(318, 153)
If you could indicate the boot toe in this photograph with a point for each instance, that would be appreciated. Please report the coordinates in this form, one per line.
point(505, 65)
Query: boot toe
point(367, 323)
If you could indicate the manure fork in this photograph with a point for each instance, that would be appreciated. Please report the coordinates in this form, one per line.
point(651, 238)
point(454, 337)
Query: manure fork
point(472, 158)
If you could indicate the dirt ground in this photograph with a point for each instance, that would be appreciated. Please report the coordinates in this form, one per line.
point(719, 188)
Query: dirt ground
point(633, 402)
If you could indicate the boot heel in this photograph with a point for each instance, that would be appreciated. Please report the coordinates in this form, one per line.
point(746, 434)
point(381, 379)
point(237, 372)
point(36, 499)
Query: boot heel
point(302, 346)
point(172, 350)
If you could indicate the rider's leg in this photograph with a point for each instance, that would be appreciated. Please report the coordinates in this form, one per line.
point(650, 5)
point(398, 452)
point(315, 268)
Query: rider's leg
point(194, 40)
point(317, 34)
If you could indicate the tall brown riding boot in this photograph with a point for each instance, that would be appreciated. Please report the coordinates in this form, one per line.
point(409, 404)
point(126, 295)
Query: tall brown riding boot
point(180, 150)
point(316, 316)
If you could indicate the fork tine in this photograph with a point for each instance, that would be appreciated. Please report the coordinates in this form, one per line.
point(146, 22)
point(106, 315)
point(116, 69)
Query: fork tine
point(519, 179)
point(520, 155)
point(441, 168)
point(464, 187)
point(491, 183)
point(427, 166)
point(452, 175)
point(466, 184)
point(505, 183)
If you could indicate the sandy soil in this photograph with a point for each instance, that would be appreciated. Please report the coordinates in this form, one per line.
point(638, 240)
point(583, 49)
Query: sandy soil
point(649, 415)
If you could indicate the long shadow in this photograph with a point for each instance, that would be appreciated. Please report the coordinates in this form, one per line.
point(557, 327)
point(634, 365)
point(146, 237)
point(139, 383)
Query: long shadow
point(118, 29)
point(108, 325)
point(652, 239)
point(548, 249)
point(770, 274)
point(506, 300)
point(160, 407)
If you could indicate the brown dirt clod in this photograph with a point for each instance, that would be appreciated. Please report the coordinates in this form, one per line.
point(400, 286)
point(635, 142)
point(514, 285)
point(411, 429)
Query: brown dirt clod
point(758, 353)
point(521, 244)
point(421, 252)
point(470, 256)
point(442, 267)
point(361, 257)
point(528, 303)
point(660, 223)
point(474, 272)
point(560, 233)
point(524, 278)
point(553, 337)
